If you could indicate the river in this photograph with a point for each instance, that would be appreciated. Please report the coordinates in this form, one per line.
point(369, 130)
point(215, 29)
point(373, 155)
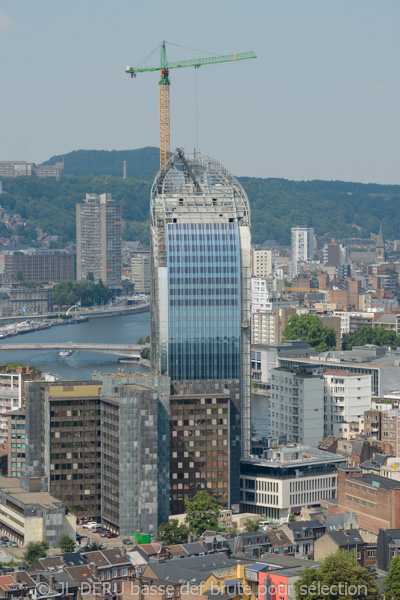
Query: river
point(124, 329)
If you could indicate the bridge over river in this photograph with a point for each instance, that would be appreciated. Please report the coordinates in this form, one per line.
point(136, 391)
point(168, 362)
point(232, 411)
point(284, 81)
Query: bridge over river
point(118, 349)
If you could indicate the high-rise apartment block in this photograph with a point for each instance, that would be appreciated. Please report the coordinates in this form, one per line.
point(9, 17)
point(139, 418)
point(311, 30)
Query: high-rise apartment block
point(201, 271)
point(98, 239)
point(43, 266)
point(302, 247)
point(140, 265)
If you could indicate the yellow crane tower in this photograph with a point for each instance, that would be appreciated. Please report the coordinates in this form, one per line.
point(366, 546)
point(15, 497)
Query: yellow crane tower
point(164, 86)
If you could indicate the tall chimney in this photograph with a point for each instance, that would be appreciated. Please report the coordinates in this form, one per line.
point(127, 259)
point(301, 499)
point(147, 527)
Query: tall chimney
point(124, 169)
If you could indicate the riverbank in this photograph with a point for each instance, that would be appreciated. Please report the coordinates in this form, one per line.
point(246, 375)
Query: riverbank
point(12, 326)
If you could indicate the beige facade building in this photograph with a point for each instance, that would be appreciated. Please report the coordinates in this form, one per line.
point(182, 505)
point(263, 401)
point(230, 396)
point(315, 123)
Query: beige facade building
point(140, 264)
point(262, 262)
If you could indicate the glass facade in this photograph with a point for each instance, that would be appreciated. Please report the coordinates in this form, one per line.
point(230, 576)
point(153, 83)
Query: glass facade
point(204, 303)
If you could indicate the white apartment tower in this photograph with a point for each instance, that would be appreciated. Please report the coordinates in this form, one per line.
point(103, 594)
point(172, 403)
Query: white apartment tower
point(297, 407)
point(302, 247)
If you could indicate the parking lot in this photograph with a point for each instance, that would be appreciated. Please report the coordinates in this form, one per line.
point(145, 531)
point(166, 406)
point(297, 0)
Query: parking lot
point(104, 541)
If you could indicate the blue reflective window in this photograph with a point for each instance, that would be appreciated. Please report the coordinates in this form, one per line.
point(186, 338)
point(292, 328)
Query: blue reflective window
point(204, 300)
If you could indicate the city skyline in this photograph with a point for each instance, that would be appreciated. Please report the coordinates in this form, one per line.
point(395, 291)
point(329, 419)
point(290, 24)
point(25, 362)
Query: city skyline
point(320, 101)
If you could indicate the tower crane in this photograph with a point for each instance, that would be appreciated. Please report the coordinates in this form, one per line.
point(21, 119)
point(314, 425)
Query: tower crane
point(164, 87)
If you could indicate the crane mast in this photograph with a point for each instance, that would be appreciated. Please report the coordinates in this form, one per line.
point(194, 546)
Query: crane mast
point(165, 84)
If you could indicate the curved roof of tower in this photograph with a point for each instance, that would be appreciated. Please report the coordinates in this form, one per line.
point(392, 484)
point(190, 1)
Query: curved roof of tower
point(201, 180)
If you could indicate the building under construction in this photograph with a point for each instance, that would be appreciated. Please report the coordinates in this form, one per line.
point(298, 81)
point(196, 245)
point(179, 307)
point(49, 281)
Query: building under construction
point(200, 276)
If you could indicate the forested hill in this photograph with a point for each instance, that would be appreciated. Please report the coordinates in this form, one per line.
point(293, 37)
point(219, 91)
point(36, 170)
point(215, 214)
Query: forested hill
point(140, 164)
point(342, 209)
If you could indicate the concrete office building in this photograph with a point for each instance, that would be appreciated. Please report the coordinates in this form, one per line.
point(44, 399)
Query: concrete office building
point(16, 441)
point(12, 394)
point(42, 265)
point(98, 239)
point(297, 406)
point(288, 478)
point(379, 362)
point(102, 447)
point(302, 247)
point(63, 442)
point(205, 429)
point(201, 272)
point(140, 266)
point(134, 451)
point(33, 515)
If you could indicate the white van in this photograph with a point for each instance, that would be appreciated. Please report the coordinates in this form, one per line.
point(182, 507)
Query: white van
point(92, 525)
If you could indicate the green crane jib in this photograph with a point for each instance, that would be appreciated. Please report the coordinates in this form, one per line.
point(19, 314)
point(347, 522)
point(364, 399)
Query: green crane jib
point(165, 83)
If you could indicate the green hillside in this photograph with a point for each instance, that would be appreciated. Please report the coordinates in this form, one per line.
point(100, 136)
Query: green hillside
point(340, 208)
point(142, 163)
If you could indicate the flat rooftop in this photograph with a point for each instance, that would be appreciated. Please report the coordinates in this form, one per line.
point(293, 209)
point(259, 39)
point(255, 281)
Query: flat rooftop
point(306, 456)
point(12, 486)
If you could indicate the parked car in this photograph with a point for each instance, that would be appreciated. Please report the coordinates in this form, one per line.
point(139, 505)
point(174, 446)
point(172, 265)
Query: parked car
point(4, 544)
point(111, 535)
point(103, 534)
point(127, 542)
point(4, 538)
point(14, 544)
point(23, 567)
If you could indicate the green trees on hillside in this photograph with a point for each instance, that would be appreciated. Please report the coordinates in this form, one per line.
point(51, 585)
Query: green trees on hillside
point(310, 329)
point(276, 204)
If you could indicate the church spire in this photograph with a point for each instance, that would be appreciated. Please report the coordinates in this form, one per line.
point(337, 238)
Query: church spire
point(380, 254)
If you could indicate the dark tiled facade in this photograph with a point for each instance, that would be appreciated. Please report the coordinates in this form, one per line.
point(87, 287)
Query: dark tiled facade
point(204, 441)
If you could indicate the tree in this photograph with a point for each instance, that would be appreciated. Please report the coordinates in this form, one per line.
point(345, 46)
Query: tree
point(147, 340)
point(90, 276)
point(140, 341)
point(251, 525)
point(391, 584)
point(171, 533)
point(379, 336)
point(203, 512)
point(35, 550)
point(92, 547)
point(67, 544)
point(310, 329)
point(339, 576)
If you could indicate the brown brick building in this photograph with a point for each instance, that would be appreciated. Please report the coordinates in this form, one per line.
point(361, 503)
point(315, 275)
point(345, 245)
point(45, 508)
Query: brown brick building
point(374, 499)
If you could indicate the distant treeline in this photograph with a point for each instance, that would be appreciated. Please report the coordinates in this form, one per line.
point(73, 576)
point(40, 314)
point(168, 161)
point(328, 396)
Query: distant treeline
point(339, 208)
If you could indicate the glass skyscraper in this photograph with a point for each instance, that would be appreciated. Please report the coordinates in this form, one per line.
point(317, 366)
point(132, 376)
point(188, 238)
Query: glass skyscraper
point(201, 270)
